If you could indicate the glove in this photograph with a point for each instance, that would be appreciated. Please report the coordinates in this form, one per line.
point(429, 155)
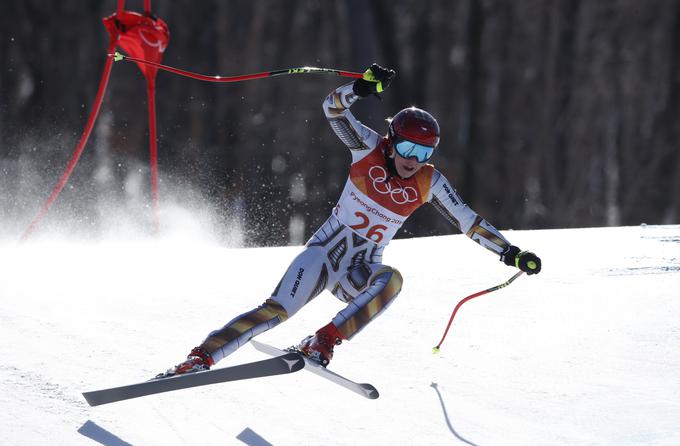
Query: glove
point(375, 80)
point(524, 260)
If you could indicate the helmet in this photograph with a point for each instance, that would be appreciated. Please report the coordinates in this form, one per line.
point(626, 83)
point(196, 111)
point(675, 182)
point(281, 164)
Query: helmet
point(416, 125)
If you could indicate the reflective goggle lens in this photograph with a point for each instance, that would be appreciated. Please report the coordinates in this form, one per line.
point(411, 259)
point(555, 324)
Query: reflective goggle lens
point(408, 149)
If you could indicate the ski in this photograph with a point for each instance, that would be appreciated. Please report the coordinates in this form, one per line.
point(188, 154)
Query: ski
point(283, 363)
point(363, 389)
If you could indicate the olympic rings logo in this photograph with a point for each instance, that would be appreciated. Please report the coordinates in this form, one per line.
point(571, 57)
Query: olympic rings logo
point(399, 195)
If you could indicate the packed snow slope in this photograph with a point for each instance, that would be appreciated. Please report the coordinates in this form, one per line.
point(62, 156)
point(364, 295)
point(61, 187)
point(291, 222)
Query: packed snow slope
point(587, 352)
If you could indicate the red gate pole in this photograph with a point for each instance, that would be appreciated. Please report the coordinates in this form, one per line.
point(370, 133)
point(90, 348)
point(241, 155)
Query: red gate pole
point(153, 151)
point(79, 148)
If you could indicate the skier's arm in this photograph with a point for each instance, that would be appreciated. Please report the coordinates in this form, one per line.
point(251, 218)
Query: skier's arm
point(353, 133)
point(447, 201)
point(336, 106)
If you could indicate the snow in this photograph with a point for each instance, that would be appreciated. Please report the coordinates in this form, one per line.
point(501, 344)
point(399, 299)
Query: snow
point(584, 353)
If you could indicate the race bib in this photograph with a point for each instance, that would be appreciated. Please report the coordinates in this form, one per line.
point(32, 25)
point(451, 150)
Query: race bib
point(366, 217)
point(376, 203)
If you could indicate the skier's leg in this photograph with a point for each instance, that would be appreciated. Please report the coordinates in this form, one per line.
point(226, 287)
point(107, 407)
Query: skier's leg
point(226, 340)
point(223, 342)
point(384, 287)
point(305, 278)
point(378, 292)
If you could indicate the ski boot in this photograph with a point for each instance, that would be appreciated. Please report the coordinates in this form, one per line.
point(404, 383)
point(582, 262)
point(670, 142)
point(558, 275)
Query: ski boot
point(319, 347)
point(199, 360)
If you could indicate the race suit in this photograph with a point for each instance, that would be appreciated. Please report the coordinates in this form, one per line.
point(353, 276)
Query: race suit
point(344, 256)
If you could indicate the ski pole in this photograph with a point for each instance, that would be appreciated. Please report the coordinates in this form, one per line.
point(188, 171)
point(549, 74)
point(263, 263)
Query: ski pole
point(472, 296)
point(244, 77)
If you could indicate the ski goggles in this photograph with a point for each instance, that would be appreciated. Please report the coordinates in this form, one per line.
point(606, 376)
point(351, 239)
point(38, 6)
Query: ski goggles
point(409, 149)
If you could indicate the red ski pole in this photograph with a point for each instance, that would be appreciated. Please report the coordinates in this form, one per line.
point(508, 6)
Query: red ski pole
point(244, 77)
point(472, 296)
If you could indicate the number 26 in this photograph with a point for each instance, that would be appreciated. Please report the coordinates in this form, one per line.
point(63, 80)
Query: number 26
point(373, 232)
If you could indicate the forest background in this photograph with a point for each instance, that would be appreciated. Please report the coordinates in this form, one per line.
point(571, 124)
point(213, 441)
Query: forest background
point(554, 113)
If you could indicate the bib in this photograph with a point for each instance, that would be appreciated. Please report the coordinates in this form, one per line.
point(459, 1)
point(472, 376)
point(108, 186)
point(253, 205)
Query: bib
point(374, 203)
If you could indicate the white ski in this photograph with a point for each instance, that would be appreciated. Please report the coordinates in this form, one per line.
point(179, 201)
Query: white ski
point(363, 389)
point(287, 362)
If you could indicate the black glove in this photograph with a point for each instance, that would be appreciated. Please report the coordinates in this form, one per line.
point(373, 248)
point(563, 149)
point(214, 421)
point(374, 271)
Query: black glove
point(524, 260)
point(376, 79)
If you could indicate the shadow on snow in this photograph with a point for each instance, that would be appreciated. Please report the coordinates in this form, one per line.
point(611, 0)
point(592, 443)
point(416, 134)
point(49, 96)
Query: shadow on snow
point(446, 417)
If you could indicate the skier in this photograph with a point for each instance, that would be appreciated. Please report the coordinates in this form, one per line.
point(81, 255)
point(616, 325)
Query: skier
point(389, 179)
